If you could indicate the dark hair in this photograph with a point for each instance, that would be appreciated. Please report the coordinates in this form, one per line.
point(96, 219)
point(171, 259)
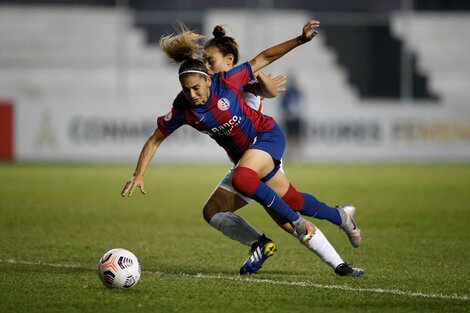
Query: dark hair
point(185, 49)
point(193, 65)
point(225, 44)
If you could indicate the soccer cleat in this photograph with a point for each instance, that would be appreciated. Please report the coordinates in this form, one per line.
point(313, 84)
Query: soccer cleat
point(347, 213)
point(260, 251)
point(304, 230)
point(344, 269)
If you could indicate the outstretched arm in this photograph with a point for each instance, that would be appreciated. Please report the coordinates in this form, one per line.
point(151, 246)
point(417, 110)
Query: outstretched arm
point(270, 55)
point(147, 153)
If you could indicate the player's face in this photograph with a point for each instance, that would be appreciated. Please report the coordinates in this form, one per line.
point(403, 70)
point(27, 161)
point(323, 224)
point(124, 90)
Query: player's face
point(216, 62)
point(196, 88)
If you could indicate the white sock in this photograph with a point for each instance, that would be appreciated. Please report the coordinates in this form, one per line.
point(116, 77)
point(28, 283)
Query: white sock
point(235, 227)
point(323, 248)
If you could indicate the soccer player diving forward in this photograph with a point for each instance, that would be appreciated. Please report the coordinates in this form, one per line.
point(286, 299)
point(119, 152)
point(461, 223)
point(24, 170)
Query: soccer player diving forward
point(214, 105)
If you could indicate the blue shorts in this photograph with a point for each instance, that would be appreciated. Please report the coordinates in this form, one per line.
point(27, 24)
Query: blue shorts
point(272, 142)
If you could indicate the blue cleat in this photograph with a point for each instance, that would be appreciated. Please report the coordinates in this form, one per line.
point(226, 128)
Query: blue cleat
point(260, 251)
point(344, 269)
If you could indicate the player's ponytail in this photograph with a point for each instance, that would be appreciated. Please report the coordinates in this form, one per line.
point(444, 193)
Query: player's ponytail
point(225, 44)
point(184, 48)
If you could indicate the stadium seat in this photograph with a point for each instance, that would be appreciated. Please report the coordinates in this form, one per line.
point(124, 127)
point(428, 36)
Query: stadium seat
point(442, 42)
point(80, 53)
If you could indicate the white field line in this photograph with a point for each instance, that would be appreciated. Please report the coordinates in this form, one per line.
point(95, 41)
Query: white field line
point(395, 292)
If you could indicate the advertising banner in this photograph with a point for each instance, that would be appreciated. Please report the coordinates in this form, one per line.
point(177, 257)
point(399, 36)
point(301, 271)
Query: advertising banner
point(347, 133)
point(91, 133)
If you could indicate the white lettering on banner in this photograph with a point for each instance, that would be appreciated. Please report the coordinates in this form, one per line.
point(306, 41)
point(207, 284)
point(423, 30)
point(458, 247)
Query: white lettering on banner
point(344, 131)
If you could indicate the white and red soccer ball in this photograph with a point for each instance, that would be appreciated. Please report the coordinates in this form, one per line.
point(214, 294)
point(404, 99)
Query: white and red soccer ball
point(119, 268)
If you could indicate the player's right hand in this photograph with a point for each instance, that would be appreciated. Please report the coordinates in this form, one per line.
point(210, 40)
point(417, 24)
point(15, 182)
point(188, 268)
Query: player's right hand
point(309, 30)
point(130, 186)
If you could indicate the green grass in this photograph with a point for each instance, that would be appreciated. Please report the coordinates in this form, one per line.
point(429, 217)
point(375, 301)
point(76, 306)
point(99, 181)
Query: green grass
point(415, 222)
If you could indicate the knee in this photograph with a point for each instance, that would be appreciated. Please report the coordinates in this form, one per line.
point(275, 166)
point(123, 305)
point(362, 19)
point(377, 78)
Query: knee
point(211, 207)
point(222, 200)
point(245, 181)
point(219, 201)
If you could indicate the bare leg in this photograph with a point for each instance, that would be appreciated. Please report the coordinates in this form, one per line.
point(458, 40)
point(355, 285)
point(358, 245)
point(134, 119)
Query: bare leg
point(222, 200)
point(218, 212)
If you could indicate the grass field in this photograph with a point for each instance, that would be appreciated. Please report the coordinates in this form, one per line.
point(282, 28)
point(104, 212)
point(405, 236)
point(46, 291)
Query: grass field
point(57, 221)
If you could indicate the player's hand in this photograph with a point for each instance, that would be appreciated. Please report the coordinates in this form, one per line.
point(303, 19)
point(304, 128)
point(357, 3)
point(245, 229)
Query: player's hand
point(131, 184)
point(280, 81)
point(309, 31)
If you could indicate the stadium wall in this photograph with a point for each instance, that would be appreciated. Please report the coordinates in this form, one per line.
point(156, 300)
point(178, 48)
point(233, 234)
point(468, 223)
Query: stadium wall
point(94, 133)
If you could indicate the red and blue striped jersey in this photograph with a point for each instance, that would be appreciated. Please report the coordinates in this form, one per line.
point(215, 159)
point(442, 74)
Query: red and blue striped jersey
point(225, 116)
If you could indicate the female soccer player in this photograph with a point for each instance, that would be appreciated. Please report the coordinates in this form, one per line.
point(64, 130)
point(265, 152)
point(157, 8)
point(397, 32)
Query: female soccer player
point(214, 105)
point(221, 54)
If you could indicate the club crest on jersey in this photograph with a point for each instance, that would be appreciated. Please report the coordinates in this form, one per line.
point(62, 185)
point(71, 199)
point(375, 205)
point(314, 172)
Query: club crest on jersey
point(223, 104)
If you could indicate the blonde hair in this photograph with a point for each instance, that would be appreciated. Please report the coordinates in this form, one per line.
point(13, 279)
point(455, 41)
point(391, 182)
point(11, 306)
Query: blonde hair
point(184, 48)
point(183, 45)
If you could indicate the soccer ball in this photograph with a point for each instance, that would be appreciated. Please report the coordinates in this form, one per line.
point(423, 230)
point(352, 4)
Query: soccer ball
point(119, 268)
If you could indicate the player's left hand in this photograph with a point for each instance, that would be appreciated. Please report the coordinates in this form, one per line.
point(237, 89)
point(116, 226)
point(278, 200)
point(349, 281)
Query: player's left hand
point(309, 31)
